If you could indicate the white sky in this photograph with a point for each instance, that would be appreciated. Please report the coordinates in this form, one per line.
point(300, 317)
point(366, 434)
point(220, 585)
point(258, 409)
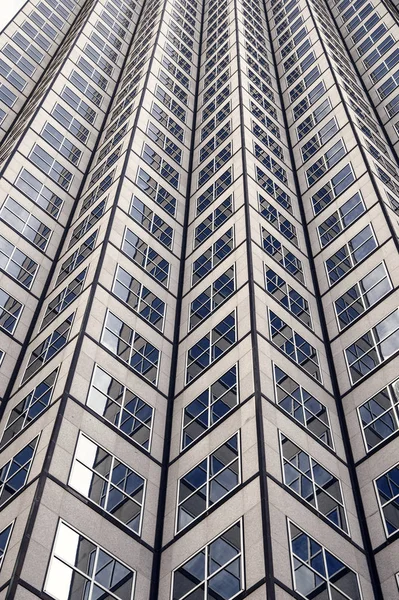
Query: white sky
point(8, 8)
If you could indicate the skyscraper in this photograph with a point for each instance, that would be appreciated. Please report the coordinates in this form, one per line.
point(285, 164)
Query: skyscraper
point(199, 328)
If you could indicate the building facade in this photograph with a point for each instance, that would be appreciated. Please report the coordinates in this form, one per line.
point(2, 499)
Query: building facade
point(199, 327)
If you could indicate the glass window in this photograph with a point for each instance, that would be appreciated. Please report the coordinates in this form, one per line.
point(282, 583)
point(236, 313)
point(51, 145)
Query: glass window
point(374, 347)
point(39, 193)
point(302, 406)
point(156, 192)
point(161, 166)
point(10, 311)
point(210, 406)
point(69, 122)
point(310, 480)
point(361, 296)
point(76, 258)
point(167, 121)
point(78, 563)
point(316, 570)
point(351, 254)
point(325, 162)
point(341, 219)
point(215, 571)
point(278, 220)
point(25, 223)
point(379, 416)
point(64, 298)
point(221, 248)
point(144, 256)
point(333, 188)
point(164, 142)
point(214, 165)
point(214, 191)
point(29, 408)
point(46, 163)
point(151, 222)
point(282, 255)
point(58, 141)
point(12, 76)
point(131, 347)
point(50, 346)
point(387, 488)
point(81, 107)
point(5, 536)
point(83, 86)
point(294, 346)
point(212, 297)
point(19, 60)
point(139, 298)
point(17, 264)
point(121, 407)
point(273, 189)
point(213, 221)
point(14, 474)
point(288, 297)
point(215, 343)
point(109, 482)
point(208, 482)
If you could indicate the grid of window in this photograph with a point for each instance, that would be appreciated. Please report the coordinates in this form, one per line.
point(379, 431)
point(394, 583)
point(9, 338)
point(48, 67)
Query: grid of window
point(161, 166)
point(50, 346)
point(151, 222)
point(287, 296)
point(64, 298)
point(121, 407)
point(14, 474)
point(156, 192)
point(210, 406)
point(362, 295)
point(310, 480)
point(374, 347)
point(109, 482)
point(25, 223)
point(294, 346)
point(29, 408)
point(87, 566)
point(351, 254)
point(70, 123)
point(209, 348)
point(139, 298)
point(144, 256)
point(278, 220)
point(61, 143)
point(302, 406)
point(208, 482)
point(17, 264)
point(10, 312)
point(212, 297)
point(77, 257)
point(379, 416)
point(214, 571)
point(333, 188)
point(39, 193)
point(51, 167)
point(274, 248)
point(131, 347)
point(387, 488)
point(341, 219)
point(5, 536)
point(221, 248)
point(213, 221)
point(316, 570)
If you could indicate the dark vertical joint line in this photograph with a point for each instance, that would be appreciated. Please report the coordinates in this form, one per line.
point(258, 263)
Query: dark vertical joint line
point(374, 577)
point(160, 518)
point(31, 520)
point(264, 492)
